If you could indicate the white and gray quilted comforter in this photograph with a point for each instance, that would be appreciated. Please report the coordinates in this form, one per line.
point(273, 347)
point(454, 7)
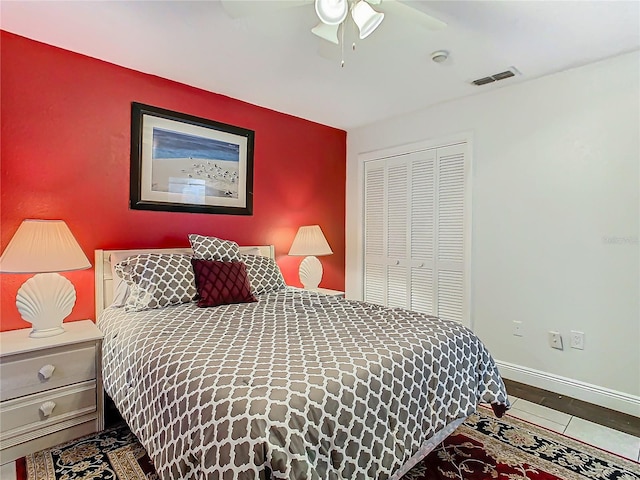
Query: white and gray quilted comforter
point(295, 386)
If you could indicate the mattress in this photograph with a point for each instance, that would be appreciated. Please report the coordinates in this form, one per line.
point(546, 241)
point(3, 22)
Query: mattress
point(298, 385)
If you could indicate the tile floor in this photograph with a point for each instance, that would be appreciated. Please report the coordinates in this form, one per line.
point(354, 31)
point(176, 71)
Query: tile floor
point(606, 438)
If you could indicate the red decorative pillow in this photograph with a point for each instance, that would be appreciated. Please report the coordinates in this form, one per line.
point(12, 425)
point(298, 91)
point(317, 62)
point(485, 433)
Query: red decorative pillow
point(221, 283)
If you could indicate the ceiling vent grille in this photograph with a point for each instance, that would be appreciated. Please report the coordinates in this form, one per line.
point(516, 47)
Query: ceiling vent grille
point(512, 72)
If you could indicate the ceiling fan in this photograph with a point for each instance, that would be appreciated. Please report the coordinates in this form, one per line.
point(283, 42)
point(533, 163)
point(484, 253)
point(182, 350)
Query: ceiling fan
point(333, 15)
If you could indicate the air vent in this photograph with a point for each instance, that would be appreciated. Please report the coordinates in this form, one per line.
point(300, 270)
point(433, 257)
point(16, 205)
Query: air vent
point(483, 81)
point(503, 75)
point(496, 77)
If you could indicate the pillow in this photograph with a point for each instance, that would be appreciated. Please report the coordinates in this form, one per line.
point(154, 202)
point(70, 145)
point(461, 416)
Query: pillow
point(249, 251)
point(221, 283)
point(120, 288)
point(212, 248)
point(120, 294)
point(156, 280)
point(264, 274)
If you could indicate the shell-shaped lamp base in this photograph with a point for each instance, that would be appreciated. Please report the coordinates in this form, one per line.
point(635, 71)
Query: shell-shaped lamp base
point(44, 301)
point(310, 272)
point(48, 332)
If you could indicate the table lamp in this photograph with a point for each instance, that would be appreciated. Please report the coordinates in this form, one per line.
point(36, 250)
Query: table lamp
point(44, 247)
point(310, 242)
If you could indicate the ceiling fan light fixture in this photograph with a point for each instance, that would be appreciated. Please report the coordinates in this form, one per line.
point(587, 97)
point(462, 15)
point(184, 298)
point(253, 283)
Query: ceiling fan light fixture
point(327, 32)
point(332, 12)
point(366, 18)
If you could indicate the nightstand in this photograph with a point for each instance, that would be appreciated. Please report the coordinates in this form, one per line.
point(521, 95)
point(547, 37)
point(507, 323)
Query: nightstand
point(50, 388)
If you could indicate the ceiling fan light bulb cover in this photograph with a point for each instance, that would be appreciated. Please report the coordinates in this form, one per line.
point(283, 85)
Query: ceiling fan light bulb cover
point(332, 12)
point(366, 18)
point(327, 32)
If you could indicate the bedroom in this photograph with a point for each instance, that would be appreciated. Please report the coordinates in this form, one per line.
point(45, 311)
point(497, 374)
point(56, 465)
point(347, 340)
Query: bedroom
point(555, 212)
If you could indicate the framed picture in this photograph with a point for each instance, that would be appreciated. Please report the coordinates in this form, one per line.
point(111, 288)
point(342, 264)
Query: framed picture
point(182, 163)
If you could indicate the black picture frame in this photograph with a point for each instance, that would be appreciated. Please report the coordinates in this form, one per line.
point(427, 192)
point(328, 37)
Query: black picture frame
point(183, 163)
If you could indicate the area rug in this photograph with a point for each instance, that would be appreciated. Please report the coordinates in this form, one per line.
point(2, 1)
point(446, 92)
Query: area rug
point(484, 447)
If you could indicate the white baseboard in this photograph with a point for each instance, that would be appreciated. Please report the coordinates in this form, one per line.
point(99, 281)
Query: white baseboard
point(605, 397)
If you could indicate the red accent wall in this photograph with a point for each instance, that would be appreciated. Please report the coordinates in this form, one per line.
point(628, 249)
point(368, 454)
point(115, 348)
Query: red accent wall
point(65, 125)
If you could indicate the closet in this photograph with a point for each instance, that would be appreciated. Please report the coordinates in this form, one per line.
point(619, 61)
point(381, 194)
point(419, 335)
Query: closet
point(416, 232)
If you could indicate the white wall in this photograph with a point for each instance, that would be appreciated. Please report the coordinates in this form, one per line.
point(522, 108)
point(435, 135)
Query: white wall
point(556, 221)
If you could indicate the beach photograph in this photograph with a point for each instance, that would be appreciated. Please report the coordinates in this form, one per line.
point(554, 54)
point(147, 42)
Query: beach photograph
point(194, 166)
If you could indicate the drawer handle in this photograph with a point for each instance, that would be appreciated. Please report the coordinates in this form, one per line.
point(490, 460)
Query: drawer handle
point(47, 407)
point(47, 371)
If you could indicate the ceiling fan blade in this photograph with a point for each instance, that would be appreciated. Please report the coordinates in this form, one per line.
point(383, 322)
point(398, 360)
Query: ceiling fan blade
point(251, 8)
point(404, 12)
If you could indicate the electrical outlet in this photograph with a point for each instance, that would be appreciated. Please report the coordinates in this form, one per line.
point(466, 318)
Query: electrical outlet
point(517, 328)
point(555, 340)
point(577, 340)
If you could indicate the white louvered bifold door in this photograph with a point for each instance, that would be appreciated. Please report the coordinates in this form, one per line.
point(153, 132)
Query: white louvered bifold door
point(397, 228)
point(375, 270)
point(415, 232)
point(422, 231)
point(450, 230)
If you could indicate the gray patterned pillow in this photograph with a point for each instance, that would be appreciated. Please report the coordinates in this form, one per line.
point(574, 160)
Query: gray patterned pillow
point(212, 248)
point(157, 280)
point(264, 274)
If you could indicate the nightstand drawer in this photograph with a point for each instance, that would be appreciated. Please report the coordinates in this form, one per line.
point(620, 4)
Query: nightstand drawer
point(33, 372)
point(48, 407)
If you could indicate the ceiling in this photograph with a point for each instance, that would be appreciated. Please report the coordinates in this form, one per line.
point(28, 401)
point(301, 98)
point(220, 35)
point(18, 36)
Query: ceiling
point(272, 59)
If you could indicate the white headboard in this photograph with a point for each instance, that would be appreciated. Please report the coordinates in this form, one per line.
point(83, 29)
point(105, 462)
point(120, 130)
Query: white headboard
point(104, 279)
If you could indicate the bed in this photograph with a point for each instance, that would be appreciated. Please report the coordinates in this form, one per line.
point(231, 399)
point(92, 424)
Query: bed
point(296, 385)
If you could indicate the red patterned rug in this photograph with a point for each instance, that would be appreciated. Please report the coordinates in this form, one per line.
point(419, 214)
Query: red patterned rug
point(484, 447)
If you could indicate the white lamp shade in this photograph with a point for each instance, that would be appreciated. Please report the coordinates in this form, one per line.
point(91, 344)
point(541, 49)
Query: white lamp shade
point(310, 241)
point(328, 32)
point(40, 246)
point(366, 18)
point(332, 12)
